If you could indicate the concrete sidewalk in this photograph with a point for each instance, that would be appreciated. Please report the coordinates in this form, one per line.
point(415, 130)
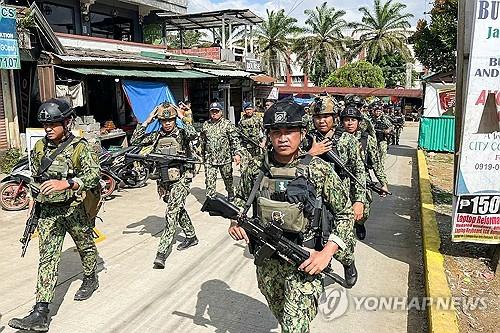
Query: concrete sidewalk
point(212, 287)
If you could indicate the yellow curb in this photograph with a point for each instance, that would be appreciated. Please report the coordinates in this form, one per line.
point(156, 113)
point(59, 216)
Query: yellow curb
point(436, 284)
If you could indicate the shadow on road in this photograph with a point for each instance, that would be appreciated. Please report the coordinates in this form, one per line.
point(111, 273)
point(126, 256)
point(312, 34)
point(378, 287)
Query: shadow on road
point(70, 270)
point(394, 230)
point(230, 311)
point(199, 194)
point(152, 225)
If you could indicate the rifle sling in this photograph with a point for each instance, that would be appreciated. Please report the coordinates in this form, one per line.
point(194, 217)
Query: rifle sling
point(253, 193)
point(47, 161)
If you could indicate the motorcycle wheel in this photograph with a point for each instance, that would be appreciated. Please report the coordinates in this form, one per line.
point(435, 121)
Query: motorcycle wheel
point(135, 174)
point(8, 198)
point(108, 185)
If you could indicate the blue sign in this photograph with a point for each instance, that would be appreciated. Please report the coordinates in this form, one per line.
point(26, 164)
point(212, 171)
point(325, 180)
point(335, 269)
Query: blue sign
point(9, 47)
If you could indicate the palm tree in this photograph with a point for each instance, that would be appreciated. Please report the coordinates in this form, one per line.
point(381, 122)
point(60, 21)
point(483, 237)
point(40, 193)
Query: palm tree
point(322, 43)
point(382, 31)
point(274, 40)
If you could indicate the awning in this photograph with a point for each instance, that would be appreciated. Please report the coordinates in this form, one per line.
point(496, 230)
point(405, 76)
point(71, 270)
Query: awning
point(263, 78)
point(179, 74)
point(225, 72)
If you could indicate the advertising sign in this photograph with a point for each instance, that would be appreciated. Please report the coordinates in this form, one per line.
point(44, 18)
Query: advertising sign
point(9, 48)
point(477, 206)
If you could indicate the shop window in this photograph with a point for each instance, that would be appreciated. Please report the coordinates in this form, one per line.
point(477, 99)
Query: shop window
point(60, 18)
point(110, 26)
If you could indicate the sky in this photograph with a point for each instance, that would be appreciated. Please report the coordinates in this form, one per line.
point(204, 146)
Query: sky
point(296, 8)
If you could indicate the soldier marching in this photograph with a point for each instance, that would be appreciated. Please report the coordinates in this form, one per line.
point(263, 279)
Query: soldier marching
point(268, 177)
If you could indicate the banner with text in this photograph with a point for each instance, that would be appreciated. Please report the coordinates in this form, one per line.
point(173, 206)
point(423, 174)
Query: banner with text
point(478, 180)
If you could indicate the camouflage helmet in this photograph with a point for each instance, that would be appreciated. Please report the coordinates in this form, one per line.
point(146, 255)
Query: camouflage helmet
point(352, 112)
point(323, 105)
point(354, 100)
point(284, 114)
point(54, 110)
point(166, 111)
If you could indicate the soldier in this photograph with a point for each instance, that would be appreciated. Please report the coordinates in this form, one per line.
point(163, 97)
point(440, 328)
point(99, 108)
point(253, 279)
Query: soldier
point(171, 140)
point(293, 294)
point(351, 119)
point(383, 127)
point(69, 170)
point(251, 131)
point(346, 147)
point(269, 102)
point(398, 121)
point(219, 143)
point(356, 101)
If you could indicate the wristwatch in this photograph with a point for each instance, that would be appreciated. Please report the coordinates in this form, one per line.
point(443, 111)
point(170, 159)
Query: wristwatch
point(71, 183)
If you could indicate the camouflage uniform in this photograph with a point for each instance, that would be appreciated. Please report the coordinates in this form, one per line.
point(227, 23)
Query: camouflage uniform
point(63, 211)
point(371, 159)
point(252, 128)
point(349, 152)
point(382, 123)
point(219, 143)
point(174, 193)
point(293, 295)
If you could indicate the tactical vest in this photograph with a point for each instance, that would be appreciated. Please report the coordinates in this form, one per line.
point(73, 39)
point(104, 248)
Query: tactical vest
point(298, 211)
point(63, 167)
point(272, 205)
point(169, 145)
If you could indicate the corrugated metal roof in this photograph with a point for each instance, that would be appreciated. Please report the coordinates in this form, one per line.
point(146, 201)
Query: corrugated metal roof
point(179, 74)
point(413, 93)
point(225, 72)
point(120, 60)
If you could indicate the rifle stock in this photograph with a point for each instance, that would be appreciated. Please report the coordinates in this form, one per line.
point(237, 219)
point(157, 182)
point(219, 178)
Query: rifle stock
point(270, 238)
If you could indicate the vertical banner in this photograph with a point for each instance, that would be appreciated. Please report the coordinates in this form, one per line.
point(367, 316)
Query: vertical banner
point(477, 206)
point(9, 48)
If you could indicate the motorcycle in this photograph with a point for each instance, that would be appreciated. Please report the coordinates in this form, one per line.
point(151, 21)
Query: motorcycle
point(14, 189)
point(116, 171)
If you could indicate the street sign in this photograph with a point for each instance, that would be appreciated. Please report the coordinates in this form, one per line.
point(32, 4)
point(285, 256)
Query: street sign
point(9, 48)
point(253, 65)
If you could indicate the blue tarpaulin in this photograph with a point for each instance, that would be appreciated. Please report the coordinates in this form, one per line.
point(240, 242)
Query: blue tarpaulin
point(303, 101)
point(144, 97)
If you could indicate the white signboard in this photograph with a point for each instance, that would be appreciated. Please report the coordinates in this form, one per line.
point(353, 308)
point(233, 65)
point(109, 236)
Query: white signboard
point(477, 208)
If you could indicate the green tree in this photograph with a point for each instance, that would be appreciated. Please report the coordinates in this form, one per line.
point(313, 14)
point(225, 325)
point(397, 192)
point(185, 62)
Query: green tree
point(274, 40)
point(322, 42)
point(152, 34)
point(383, 30)
point(357, 74)
point(394, 69)
point(436, 43)
point(191, 38)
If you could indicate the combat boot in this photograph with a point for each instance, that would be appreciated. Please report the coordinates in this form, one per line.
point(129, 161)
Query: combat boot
point(350, 274)
point(187, 242)
point(89, 285)
point(360, 231)
point(37, 320)
point(159, 262)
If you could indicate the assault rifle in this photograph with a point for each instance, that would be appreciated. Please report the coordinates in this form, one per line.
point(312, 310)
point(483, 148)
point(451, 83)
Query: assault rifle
point(270, 238)
point(246, 139)
point(164, 162)
point(332, 157)
point(32, 222)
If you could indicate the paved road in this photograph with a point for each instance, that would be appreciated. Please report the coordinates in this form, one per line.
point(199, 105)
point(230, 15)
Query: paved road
point(212, 287)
